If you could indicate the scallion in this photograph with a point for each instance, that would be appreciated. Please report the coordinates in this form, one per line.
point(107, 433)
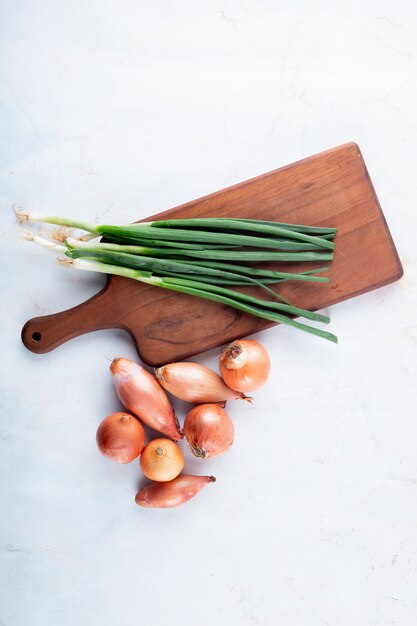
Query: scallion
point(197, 256)
point(150, 279)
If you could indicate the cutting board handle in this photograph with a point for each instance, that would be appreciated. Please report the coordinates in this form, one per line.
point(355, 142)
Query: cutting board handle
point(43, 334)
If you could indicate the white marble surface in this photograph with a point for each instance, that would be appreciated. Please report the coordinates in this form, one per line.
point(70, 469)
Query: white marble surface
point(117, 109)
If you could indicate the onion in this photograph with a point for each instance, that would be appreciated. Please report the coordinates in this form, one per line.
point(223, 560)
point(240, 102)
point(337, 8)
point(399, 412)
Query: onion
point(209, 430)
point(244, 365)
point(195, 383)
point(120, 437)
point(161, 460)
point(172, 493)
point(142, 395)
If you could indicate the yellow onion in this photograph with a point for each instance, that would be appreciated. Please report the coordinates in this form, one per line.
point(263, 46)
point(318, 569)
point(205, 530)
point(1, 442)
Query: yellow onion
point(143, 396)
point(161, 460)
point(208, 430)
point(120, 437)
point(244, 365)
point(172, 493)
point(195, 383)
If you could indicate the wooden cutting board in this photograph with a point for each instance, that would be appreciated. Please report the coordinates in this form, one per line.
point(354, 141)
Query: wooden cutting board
point(332, 188)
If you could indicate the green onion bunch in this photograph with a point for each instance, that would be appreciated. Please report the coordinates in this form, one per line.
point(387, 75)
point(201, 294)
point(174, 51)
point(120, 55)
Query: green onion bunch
point(204, 257)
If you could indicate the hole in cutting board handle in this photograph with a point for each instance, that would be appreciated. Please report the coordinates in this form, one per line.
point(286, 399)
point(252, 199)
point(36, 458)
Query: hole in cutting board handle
point(36, 336)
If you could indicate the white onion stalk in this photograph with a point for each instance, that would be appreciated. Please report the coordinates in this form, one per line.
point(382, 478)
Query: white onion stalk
point(24, 216)
point(46, 243)
point(273, 232)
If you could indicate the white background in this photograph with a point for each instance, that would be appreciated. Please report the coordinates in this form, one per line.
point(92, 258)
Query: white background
point(113, 110)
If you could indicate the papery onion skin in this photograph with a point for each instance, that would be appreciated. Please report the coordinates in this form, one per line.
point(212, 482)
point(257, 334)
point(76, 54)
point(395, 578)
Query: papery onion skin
point(195, 383)
point(121, 437)
point(244, 365)
point(143, 396)
point(172, 493)
point(208, 430)
point(161, 460)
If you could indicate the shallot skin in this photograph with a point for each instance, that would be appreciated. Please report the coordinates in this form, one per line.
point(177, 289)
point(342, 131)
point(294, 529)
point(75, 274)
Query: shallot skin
point(161, 460)
point(208, 430)
point(245, 365)
point(120, 437)
point(172, 493)
point(195, 383)
point(143, 396)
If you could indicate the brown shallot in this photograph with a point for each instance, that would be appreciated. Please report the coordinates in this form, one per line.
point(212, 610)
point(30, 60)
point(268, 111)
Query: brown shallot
point(172, 493)
point(143, 396)
point(161, 460)
point(208, 430)
point(121, 437)
point(195, 383)
point(244, 365)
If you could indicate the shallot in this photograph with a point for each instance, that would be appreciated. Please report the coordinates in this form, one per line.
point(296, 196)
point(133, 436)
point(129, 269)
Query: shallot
point(172, 493)
point(143, 396)
point(195, 383)
point(121, 437)
point(161, 460)
point(208, 430)
point(244, 365)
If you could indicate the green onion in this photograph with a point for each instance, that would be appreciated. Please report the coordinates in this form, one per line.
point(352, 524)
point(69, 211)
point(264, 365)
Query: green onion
point(246, 308)
point(226, 255)
point(216, 254)
point(233, 224)
point(271, 277)
point(238, 281)
point(223, 281)
point(254, 256)
point(199, 255)
point(46, 243)
point(226, 281)
point(135, 261)
point(319, 230)
point(307, 276)
point(182, 288)
point(174, 244)
point(243, 297)
point(165, 232)
point(281, 243)
point(158, 252)
point(131, 232)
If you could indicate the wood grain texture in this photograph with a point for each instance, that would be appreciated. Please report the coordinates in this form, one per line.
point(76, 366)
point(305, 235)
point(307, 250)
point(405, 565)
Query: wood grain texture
point(332, 188)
